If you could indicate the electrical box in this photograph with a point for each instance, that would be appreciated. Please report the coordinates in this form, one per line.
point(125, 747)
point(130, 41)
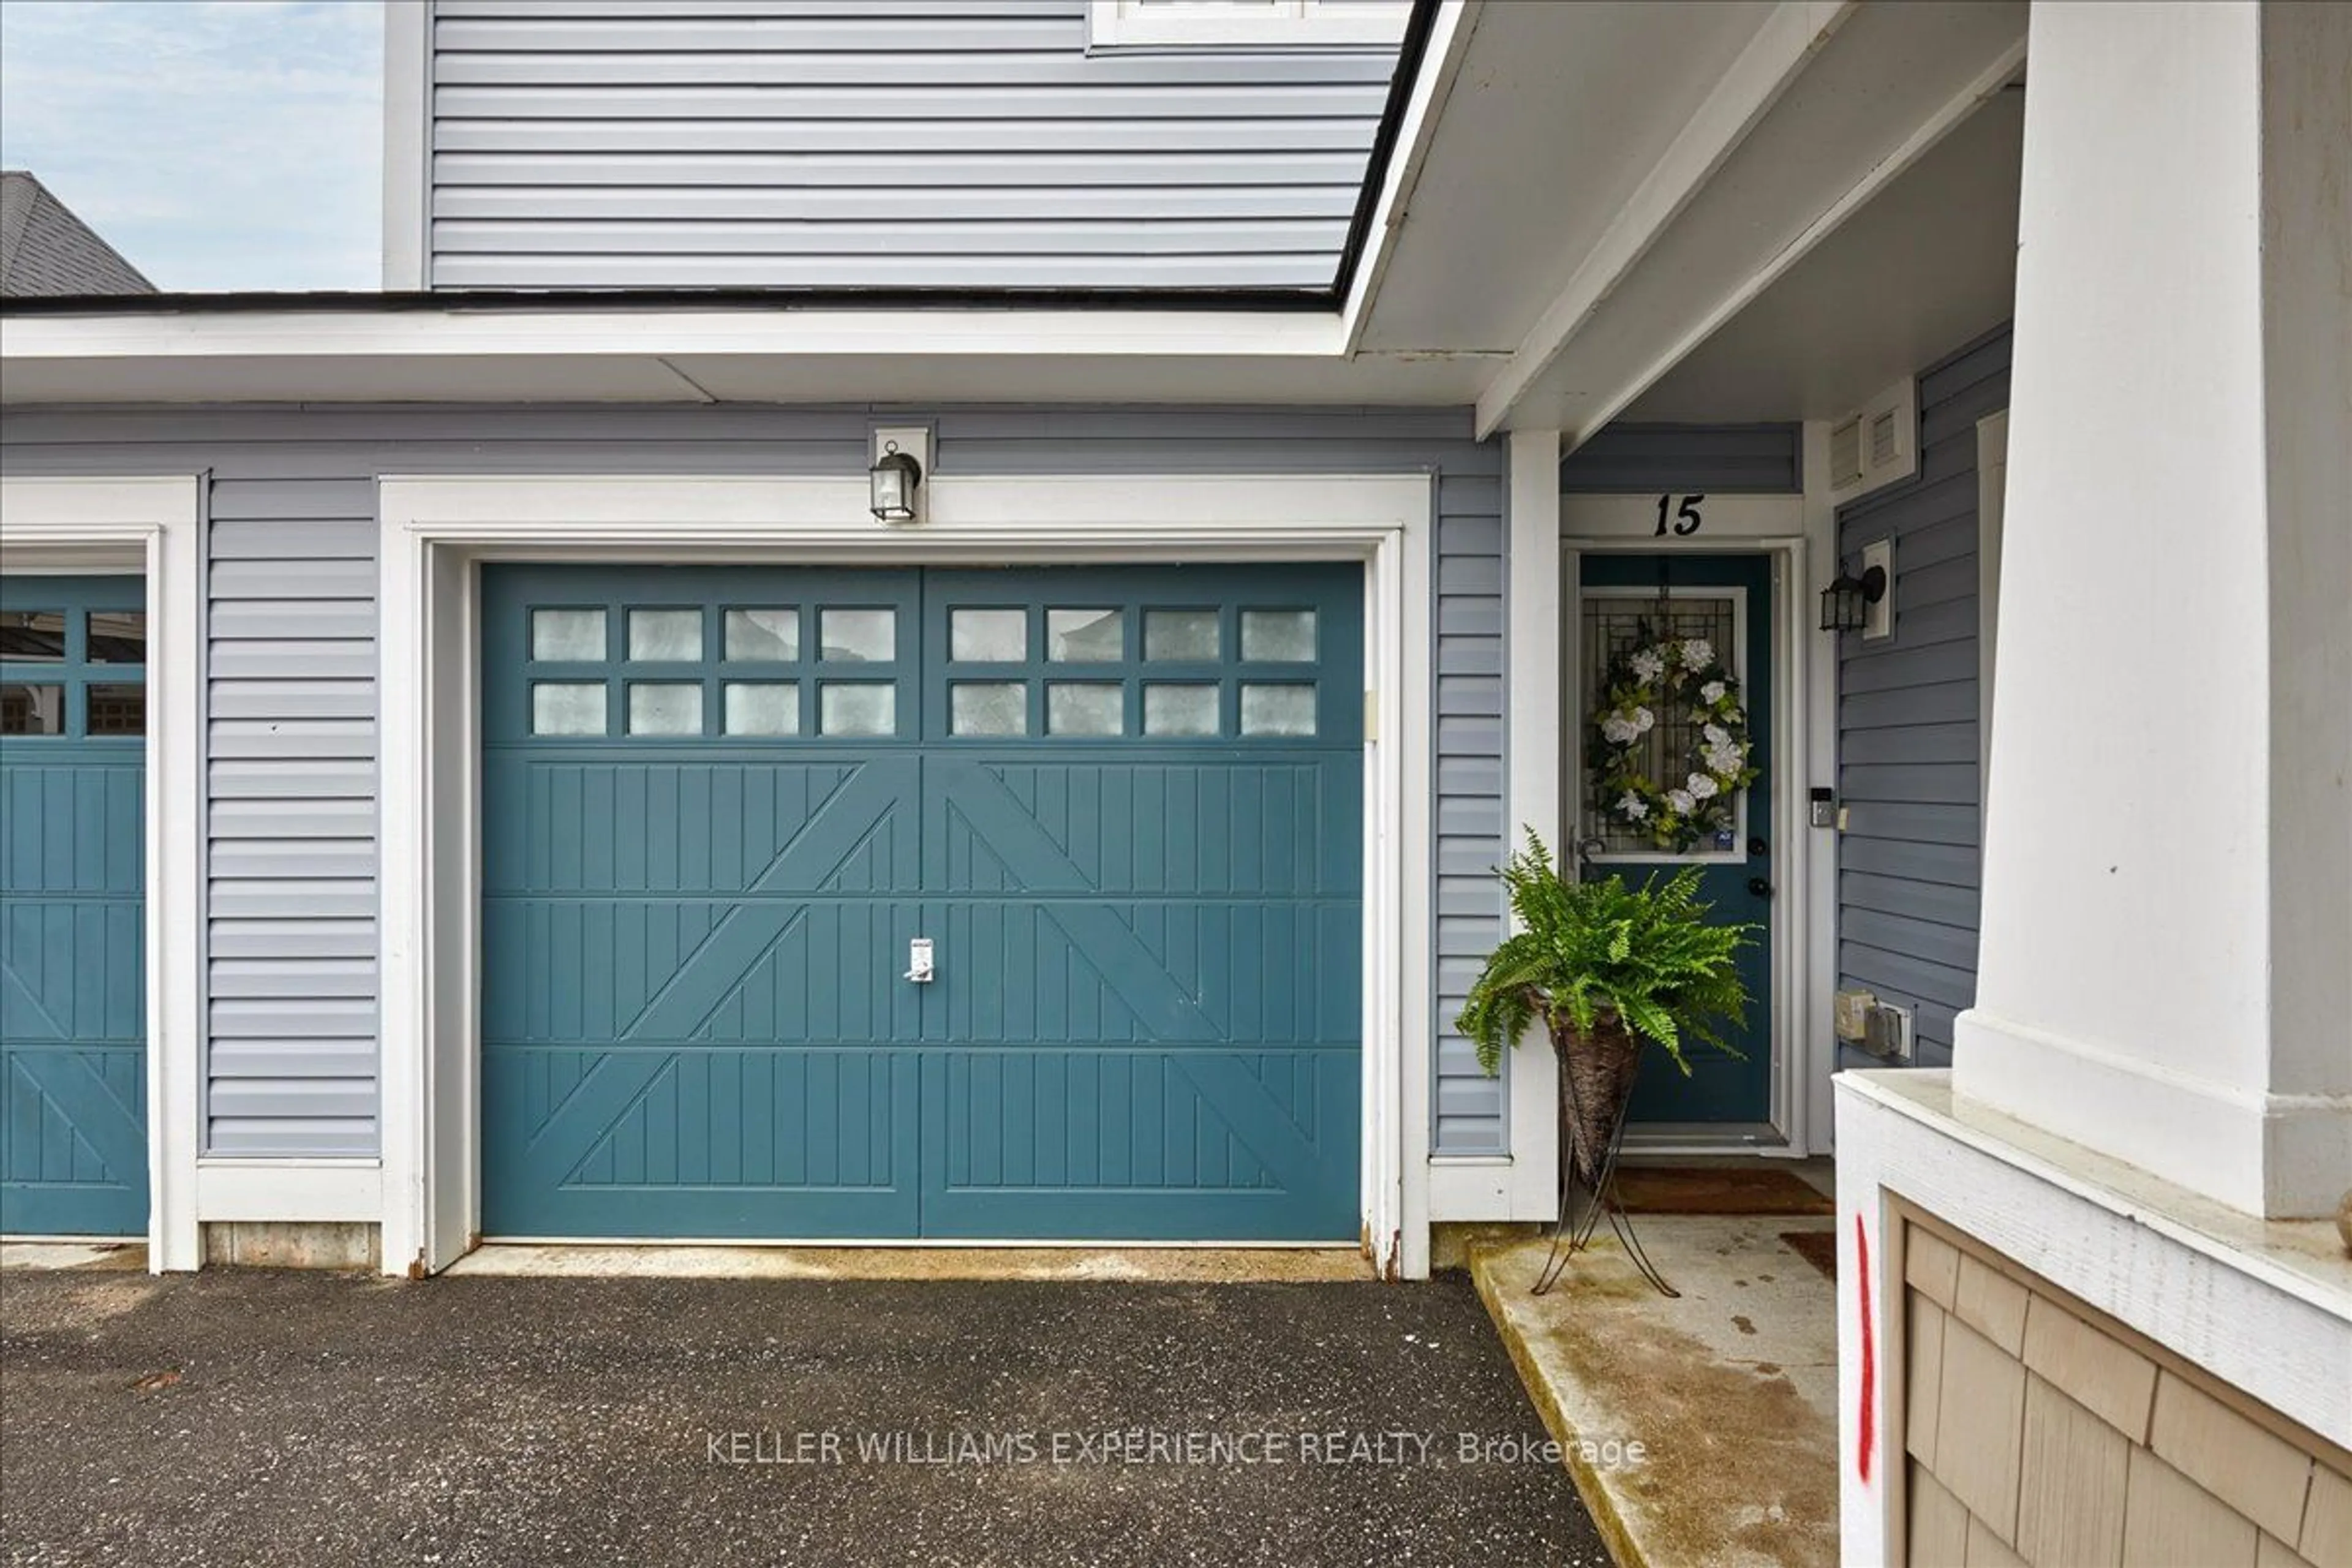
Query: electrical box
point(1886, 1033)
point(1854, 1014)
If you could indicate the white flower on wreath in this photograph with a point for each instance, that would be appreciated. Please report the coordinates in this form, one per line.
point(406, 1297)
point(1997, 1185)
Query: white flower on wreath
point(1724, 760)
point(1644, 720)
point(1697, 653)
point(1681, 801)
point(1620, 732)
point(1648, 665)
point(1716, 735)
point(1700, 787)
point(1632, 805)
point(1712, 693)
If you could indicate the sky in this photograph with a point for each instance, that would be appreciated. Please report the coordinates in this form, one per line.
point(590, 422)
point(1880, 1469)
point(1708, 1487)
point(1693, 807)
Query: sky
point(218, 144)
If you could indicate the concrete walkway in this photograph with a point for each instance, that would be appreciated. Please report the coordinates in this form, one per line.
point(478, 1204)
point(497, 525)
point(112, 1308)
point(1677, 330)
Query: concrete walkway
point(240, 1417)
point(1731, 1391)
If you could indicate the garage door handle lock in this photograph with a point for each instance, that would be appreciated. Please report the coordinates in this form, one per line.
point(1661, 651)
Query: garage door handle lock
point(919, 960)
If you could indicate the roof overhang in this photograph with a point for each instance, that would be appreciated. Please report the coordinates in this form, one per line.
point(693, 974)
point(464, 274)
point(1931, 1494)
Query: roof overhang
point(1567, 202)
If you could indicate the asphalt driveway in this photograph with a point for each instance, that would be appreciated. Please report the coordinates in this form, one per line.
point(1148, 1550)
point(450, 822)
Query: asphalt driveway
point(249, 1417)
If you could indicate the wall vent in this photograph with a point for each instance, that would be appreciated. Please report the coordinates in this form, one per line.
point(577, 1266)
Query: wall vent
point(1876, 444)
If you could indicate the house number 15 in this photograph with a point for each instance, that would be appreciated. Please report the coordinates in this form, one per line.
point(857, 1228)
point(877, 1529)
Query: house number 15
point(1685, 519)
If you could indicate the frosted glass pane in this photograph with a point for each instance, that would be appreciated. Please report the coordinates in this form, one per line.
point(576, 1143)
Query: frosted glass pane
point(1180, 710)
point(762, 708)
point(988, 708)
point(987, 637)
point(666, 710)
point(1189, 635)
point(855, 635)
point(863, 709)
point(1085, 708)
point(1278, 636)
point(562, 709)
point(665, 637)
point(1085, 637)
point(567, 634)
point(1277, 709)
point(763, 635)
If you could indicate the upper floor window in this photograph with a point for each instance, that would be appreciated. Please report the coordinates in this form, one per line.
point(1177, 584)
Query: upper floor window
point(1246, 24)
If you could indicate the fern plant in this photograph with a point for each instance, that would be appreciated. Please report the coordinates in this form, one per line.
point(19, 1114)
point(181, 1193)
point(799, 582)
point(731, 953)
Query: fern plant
point(1591, 955)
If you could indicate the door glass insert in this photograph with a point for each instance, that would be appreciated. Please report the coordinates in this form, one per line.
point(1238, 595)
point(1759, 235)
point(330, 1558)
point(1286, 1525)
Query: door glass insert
point(1277, 709)
point(763, 708)
point(1085, 637)
point(1169, 710)
point(769, 637)
point(1278, 636)
point(988, 708)
point(32, 710)
point(32, 636)
point(1179, 635)
point(664, 708)
point(665, 637)
point(987, 637)
point(567, 634)
point(567, 708)
point(855, 636)
point(116, 707)
point(1620, 631)
point(859, 708)
point(118, 637)
point(1085, 708)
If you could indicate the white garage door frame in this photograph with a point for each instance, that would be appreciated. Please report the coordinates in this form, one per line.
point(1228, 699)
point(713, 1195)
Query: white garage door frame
point(150, 526)
point(435, 530)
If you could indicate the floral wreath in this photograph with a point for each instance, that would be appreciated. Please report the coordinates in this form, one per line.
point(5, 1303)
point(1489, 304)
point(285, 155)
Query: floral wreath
point(1673, 674)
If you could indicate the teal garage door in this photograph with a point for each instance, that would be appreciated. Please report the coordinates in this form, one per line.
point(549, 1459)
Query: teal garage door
point(73, 1024)
point(724, 810)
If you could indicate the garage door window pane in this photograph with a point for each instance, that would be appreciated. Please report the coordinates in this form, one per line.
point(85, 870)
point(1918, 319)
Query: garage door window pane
point(987, 637)
point(1187, 636)
point(32, 636)
point(859, 636)
point(567, 634)
point(988, 708)
point(32, 710)
point(859, 708)
point(665, 637)
point(763, 636)
point(116, 707)
point(665, 710)
point(564, 708)
point(118, 637)
point(1085, 637)
point(762, 708)
point(1180, 710)
point(1085, 708)
point(1277, 709)
point(1278, 636)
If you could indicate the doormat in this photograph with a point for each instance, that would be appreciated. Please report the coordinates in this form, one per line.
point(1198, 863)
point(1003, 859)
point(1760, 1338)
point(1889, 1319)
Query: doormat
point(1693, 1189)
point(1818, 1248)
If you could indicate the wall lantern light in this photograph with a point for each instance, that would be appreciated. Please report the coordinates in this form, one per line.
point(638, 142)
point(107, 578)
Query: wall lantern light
point(897, 474)
point(1845, 604)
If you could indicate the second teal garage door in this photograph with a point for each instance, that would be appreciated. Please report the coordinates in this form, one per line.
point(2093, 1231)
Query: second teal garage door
point(722, 807)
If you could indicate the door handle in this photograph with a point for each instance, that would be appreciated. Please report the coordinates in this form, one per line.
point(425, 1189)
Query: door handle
point(1760, 886)
point(919, 960)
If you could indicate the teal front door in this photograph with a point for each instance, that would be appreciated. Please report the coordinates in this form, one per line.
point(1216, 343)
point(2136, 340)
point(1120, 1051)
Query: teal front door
point(73, 1010)
point(865, 904)
point(1636, 601)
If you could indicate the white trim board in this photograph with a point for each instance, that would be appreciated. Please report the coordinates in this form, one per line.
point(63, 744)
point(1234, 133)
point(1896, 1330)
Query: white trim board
point(432, 531)
point(152, 526)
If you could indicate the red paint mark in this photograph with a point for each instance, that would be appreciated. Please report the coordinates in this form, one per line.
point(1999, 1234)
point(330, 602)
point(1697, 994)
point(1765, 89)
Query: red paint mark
point(1867, 1422)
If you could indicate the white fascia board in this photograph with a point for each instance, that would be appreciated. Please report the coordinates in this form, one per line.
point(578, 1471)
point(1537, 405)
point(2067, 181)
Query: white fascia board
point(1777, 55)
point(1448, 46)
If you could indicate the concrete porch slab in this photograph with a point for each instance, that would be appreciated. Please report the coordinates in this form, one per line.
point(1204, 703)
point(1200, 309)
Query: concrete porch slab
point(1138, 1265)
point(1731, 1390)
point(47, 1254)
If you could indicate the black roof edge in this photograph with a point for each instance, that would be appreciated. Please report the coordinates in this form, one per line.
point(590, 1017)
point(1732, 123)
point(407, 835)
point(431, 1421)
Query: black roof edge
point(1410, 51)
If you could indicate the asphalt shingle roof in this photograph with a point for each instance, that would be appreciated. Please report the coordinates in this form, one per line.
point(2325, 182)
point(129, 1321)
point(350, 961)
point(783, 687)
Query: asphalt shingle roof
point(45, 250)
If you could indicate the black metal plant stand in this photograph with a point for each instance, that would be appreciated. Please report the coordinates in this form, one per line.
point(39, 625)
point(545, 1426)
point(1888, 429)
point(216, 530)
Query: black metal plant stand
point(1577, 1221)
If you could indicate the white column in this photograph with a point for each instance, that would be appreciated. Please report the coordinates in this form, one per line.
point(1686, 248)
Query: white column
point(1531, 782)
point(2165, 972)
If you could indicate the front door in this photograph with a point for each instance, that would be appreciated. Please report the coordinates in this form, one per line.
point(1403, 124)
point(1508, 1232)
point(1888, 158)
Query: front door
point(1637, 613)
point(983, 904)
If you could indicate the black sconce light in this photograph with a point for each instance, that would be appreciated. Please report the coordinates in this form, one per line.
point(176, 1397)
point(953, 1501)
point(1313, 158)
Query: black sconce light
point(1845, 604)
point(895, 476)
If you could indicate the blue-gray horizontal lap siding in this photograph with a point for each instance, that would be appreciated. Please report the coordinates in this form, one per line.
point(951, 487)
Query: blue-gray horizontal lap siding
point(290, 1061)
point(876, 143)
point(1908, 740)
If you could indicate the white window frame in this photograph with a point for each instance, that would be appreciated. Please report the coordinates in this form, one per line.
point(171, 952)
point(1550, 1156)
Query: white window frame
point(1264, 24)
point(435, 530)
point(150, 526)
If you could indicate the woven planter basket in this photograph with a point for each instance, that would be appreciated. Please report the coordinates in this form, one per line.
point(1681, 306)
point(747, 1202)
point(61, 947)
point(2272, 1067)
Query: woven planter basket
point(1596, 1067)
